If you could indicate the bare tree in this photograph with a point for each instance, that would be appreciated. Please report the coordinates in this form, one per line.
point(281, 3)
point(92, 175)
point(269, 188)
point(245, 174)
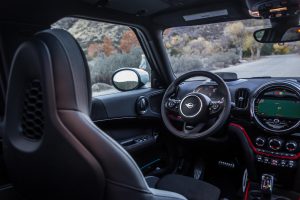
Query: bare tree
point(235, 33)
point(252, 45)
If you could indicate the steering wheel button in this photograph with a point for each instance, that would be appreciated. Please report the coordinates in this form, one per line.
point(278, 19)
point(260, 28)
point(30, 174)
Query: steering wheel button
point(215, 106)
point(171, 104)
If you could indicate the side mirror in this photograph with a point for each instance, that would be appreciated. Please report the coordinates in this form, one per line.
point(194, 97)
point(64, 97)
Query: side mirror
point(127, 79)
point(272, 35)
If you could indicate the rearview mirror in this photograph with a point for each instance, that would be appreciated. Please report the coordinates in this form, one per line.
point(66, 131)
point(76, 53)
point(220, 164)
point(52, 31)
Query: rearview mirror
point(127, 79)
point(272, 35)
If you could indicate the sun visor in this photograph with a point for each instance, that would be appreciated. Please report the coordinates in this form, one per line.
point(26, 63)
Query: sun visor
point(202, 15)
point(206, 15)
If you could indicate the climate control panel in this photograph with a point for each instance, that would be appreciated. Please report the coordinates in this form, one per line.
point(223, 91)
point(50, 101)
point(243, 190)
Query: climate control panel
point(276, 144)
point(276, 152)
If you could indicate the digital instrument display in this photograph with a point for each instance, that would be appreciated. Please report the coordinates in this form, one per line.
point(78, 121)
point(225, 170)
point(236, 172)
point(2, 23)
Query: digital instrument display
point(279, 108)
point(209, 90)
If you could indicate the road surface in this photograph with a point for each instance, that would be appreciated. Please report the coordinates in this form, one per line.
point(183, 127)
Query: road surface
point(276, 66)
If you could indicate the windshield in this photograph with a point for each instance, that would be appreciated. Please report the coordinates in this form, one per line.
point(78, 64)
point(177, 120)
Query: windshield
point(230, 47)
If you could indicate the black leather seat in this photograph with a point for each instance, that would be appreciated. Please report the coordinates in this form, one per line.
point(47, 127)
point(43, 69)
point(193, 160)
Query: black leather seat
point(188, 187)
point(52, 148)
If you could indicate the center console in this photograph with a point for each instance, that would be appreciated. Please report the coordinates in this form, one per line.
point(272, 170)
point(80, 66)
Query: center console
point(271, 153)
point(272, 141)
point(274, 155)
point(275, 110)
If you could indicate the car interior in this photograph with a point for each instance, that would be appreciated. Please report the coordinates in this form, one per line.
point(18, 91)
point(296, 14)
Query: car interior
point(150, 100)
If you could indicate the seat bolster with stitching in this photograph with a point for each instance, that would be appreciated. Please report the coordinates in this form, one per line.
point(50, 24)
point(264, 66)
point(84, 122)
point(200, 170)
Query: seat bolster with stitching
point(72, 95)
point(167, 194)
point(118, 165)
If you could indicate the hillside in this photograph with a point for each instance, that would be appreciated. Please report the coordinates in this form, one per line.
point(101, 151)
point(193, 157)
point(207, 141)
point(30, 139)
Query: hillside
point(89, 32)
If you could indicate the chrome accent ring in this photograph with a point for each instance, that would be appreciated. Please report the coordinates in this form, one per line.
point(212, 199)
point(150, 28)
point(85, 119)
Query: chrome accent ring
point(290, 84)
point(191, 116)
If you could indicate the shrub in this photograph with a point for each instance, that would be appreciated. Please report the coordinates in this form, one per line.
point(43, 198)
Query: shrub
point(247, 53)
point(185, 63)
point(281, 49)
point(98, 87)
point(198, 46)
point(267, 49)
point(219, 61)
point(104, 66)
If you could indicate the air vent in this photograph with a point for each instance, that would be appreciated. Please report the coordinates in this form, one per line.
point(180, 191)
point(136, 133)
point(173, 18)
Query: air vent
point(242, 98)
point(33, 116)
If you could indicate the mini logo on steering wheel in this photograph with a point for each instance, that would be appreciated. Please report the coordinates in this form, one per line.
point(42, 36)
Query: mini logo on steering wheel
point(189, 105)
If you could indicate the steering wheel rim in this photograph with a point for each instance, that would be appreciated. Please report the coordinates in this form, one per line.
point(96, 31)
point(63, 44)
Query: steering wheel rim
point(222, 118)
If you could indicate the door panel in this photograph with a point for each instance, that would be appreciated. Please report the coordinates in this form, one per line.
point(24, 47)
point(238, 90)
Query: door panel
point(123, 104)
point(138, 132)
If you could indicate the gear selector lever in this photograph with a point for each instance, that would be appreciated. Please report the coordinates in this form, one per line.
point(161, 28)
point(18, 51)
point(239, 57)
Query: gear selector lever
point(266, 186)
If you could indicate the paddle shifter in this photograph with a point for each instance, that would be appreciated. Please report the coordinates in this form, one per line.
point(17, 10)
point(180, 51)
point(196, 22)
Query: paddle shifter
point(266, 186)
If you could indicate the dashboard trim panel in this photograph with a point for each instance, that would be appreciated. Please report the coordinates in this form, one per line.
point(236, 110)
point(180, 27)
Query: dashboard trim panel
point(256, 151)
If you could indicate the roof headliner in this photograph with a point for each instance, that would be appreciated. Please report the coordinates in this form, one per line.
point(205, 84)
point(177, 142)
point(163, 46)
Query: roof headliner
point(161, 13)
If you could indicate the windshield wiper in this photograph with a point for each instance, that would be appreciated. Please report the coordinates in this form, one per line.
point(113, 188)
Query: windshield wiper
point(260, 77)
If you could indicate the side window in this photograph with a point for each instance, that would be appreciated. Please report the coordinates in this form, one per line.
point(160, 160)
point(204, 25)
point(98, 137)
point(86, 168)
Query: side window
point(108, 48)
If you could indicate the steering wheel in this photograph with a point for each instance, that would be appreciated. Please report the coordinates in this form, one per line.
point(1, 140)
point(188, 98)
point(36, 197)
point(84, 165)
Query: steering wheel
point(196, 110)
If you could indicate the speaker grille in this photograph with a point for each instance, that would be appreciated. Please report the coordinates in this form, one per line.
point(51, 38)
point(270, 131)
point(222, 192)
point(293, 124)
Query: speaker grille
point(33, 116)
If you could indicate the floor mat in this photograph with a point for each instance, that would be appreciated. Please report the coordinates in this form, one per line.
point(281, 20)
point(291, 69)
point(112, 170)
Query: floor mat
point(228, 180)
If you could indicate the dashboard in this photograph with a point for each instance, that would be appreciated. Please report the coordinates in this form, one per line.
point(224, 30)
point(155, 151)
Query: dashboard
point(265, 117)
point(272, 104)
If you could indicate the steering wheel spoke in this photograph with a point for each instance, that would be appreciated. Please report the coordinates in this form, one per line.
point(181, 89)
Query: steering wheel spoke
point(190, 129)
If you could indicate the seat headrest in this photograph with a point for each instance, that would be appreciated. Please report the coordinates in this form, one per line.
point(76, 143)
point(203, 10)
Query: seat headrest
point(48, 73)
point(70, 70)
